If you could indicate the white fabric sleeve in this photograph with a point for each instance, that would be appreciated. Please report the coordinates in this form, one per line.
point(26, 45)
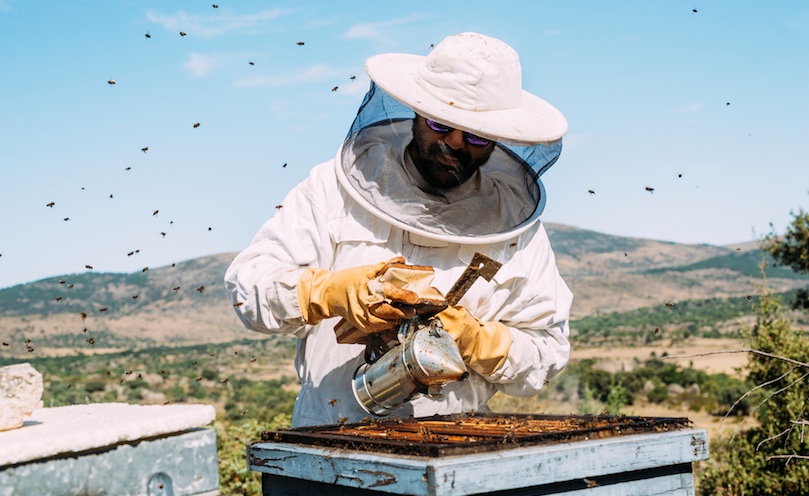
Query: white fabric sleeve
point(537, 316)
point(262, 280)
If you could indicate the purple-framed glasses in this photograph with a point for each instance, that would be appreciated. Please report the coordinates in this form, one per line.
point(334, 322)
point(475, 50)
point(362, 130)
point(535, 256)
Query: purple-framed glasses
point(468, 137)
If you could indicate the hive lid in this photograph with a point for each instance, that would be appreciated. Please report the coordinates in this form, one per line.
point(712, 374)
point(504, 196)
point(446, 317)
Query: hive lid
point(72, 429)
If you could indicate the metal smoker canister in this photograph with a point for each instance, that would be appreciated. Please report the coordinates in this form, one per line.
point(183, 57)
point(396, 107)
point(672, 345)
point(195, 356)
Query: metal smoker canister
point(427, 359)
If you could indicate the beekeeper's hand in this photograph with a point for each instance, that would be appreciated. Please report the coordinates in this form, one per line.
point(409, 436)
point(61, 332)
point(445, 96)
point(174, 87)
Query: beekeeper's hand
point(356, 294)
point(484, 345)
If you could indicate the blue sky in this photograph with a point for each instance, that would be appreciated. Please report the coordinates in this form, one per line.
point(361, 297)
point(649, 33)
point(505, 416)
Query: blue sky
point(645, 87)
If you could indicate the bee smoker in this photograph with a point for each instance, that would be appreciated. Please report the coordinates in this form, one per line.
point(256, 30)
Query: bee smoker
point(425, 359)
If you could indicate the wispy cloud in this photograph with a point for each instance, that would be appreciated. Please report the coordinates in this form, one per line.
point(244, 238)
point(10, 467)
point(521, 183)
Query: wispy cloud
point(691, 108)
point(379, 31)
point(203, 65)
point(213, 25)
point(314, 74)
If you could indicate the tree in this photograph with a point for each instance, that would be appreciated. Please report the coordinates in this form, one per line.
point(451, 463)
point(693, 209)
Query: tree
point(772, 458)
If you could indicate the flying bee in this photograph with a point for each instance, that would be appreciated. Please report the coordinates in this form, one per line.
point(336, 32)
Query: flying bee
point(176, 288)
point(51, 204)
point(194, 362)
point(5, 344)
point(130, 253)
point(215, 6)
point(335, 88)
point(238, 304)
point(213, 354)
point(62, 282)
point(201, 289)
point(128, 168)
point(111, 81)
point(650, 190)
point(353, 78)
point(163, 233)
point(69, 385)
point(196, 125)
point(332, 402)
point(224, 381)
point(670, 304)
point(155, 212)
point(69, 286)
point(182, 33)
point(252, 360)
point(342, 420)
point(591, 191)
point(127, 373)
point(300, 43)
point(66, 219)
point(198, 379)
point(58, 298)
point(279, 207)
point(83, 316)
point(251, 63)
point(90, 267)
point(145, 269)
point(144, 149)
point(102, 309)
point(84, 330)
point(163, 372)
point(210, 228)
point(283, 166)
point(30, 349)
point(135, 297)
point(148, 35)
point(91, 341)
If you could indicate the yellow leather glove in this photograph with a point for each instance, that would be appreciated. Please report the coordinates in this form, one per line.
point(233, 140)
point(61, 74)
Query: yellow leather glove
point(356, 294)
point(484, 345)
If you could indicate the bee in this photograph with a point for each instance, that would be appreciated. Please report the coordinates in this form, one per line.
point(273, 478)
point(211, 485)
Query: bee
point(144, 149)
point(51, 204)
point(58, 298)
point(591, 191)
point(432, 46)
point(342, 420)
point(512, 245)
point(284, 166)
point(91, 341)
point(679, 175)
point(669, 304)
point(155, 213)
point(127, 373)
point(111, 81)
point(176, 288)
point(135, 297)
point(69, 286)
point(121, 381)
point(110, 195)
point(251, 63)
point(235, 352)
point(130, 253)
point(108, 373)
point(62, 282)
point(694, 10)
point(335, 88)
point(224, 381)
point(213, 354)
point(215, 6)
point(625, 254)
point(198, 379)
point(90, 267)
point(69, 386)
point(30, 349)
point(83, 316)
point(252, 360)
point(353, 78)
point(279, 207)
point(163, 372)
point(332, 402)
point(749, 297)
point(140, 376)
point(591, 483)
point(102, 309)
point(148, 35)
point(5, 344)
point(238, 304)
point(727, 103)
point(84, 330)
point(145, 269)
point(163, 233)
point(210, 228)
point(194, 362)
point(137, 251)
point(27, 341)
point(244, 412)
point(66, 219)
point(182, 33)
point(650, 190)
point(196, 125)
point(657, 330)
point(300, 43)
point(201, 289)
point(128, 168)
point(166, 403)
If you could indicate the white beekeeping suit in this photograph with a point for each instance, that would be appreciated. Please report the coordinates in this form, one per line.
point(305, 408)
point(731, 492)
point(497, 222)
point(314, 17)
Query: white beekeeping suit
point(371, 203)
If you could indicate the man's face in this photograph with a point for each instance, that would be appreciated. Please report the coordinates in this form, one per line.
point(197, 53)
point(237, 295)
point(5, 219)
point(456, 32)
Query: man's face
point(445, 160)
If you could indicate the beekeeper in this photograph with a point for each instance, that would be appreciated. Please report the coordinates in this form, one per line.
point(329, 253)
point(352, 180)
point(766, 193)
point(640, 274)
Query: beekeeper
point(443, 160)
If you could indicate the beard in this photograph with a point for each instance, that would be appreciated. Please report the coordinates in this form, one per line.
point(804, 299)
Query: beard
point(440, 165)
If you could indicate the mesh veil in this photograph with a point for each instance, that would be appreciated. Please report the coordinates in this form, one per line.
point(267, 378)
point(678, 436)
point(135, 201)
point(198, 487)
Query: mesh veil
point(503, 198)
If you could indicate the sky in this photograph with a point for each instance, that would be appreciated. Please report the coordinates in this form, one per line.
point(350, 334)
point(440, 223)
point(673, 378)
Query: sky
point(703, 101)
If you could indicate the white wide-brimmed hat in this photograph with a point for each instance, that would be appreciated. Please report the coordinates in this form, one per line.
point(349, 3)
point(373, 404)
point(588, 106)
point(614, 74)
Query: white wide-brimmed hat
point(471, 82)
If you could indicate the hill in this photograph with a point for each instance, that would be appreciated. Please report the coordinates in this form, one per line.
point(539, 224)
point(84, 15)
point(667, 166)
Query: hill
point(186, 303)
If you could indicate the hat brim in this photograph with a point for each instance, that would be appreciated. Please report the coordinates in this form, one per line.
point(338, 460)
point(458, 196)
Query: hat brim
point(536, 121)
